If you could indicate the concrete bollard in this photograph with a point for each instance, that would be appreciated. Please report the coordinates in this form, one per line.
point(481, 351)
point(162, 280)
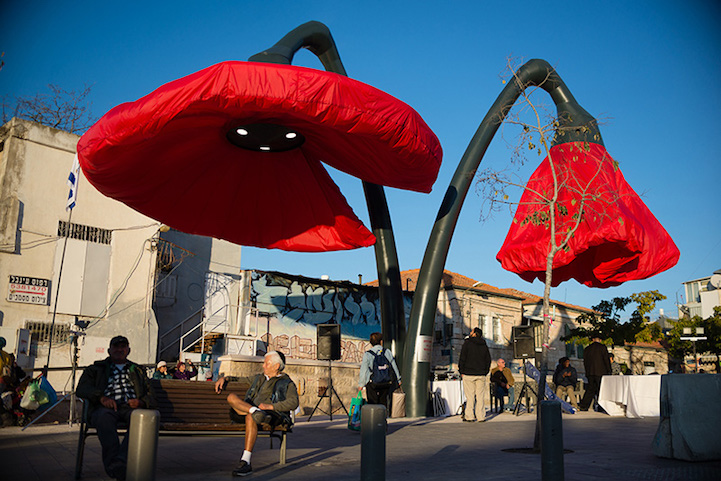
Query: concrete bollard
point(142, 445)
point(373, 442)
point(551, 442)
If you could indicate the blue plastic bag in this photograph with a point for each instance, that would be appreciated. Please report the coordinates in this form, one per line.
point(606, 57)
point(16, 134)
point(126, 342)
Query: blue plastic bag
point(45, 386)
point(354, 415)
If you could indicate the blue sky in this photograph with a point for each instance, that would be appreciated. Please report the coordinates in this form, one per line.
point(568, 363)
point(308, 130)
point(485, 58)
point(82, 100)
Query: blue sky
point(648, 69)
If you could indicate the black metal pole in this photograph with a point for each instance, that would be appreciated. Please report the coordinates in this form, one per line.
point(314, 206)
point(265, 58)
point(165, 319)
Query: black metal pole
point(317, 38)
point(575, 124)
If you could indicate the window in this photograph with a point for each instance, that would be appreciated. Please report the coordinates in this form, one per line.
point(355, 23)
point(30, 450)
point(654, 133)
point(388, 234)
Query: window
point(497, 330)
point(692, 292)
point(486, 324)
point(86, 270)
point(572, 349)
point(84, 232)
point(40, 332)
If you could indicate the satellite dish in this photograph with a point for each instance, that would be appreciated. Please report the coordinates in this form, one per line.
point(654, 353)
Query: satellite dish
point(716, 281)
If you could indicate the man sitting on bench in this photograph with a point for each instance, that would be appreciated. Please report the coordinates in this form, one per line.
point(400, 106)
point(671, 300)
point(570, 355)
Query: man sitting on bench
point(270, 399)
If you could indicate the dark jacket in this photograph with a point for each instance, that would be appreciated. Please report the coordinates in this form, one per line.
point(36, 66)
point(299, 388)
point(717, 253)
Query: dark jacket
point(185, 375)
point(280, 391)
point(94, 380)
point(475, 358)
point(595, 360)
point(560, 380)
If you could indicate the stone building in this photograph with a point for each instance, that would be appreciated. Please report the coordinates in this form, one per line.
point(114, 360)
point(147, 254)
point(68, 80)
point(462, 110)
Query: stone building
point(104, 252)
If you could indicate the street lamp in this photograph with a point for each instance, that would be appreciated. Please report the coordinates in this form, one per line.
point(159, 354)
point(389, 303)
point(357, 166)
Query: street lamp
point(234, 151)
point(575, 126)
point(688, 335)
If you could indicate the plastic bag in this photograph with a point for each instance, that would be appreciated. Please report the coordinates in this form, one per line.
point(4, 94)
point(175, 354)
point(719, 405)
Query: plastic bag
point(398, 404)
point(45, 386)
point(28, 400)
point(354, 415)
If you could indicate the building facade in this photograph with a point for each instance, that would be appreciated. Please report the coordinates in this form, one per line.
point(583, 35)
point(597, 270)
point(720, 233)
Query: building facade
point(702, 295)
point(102, 258)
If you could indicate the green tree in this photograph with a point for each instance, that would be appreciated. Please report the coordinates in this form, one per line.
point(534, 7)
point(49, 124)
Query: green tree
point(606, 322)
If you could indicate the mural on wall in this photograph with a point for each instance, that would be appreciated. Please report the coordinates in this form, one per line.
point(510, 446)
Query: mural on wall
point(295, 305)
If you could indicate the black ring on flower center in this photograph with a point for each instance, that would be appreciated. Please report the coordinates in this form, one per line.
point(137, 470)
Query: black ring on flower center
point(265, 137)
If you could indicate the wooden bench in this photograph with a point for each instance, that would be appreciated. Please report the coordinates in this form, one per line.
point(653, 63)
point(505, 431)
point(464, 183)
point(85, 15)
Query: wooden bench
point(192, 408)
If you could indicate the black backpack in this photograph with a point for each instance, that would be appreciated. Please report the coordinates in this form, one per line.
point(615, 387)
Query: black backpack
point(382, 371)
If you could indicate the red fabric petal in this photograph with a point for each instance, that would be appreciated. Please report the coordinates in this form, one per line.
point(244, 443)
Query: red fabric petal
point(618, 239)
point(166, 154)
point(352, 126)
point(274, 200)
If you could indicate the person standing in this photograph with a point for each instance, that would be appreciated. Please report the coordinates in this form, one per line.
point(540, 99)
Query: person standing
point(114, 387)
point(597, 364)
point(378, 372)
point(474, 364)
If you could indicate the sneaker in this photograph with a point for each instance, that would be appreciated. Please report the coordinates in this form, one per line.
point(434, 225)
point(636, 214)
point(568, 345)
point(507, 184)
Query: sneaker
point(243, 469)
point(262, 417)
point(482, 420)
point(469, 420)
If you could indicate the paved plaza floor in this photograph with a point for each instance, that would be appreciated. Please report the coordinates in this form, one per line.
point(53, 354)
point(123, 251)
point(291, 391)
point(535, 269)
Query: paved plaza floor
point(603, 447)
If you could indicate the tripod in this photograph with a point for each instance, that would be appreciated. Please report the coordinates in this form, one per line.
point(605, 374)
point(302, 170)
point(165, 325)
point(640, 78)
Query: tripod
point(73, 399)
point(329, 393)
point(525, 387)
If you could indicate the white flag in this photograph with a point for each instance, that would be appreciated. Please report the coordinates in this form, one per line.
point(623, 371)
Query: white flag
point(73, 179)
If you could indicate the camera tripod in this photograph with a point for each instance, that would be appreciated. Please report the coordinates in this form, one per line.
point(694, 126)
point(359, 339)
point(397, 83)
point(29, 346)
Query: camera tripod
point(525, 387)
point(329, 393)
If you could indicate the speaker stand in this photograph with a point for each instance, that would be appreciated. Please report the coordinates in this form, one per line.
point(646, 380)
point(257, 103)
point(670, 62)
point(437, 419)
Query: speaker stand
point(329, 392)
point(525, 387)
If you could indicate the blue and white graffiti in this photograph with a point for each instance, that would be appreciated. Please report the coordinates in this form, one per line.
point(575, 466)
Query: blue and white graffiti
point(296, 305)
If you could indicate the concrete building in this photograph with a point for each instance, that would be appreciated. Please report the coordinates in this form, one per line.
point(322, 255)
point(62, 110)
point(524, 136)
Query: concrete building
point(464, 304)
point(103, 258)
point(564, 319)
point(197, 294)
point(702, 295)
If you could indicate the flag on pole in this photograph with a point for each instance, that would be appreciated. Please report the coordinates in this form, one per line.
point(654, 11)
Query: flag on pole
point(73, 179)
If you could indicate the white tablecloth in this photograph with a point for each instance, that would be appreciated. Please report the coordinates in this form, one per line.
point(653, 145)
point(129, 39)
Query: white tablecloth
point(452, 395)
point(632, 396)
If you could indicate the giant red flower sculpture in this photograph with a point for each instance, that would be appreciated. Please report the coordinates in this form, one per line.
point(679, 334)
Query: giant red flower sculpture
point(618, 238)
point(234, 151)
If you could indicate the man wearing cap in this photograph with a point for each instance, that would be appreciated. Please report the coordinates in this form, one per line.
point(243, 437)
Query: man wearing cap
point(114, 387)
point(161, 371)
point(270, 399)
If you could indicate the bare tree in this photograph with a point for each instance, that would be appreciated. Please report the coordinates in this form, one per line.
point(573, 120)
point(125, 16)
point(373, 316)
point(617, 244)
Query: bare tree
point(67, 110)
point(560, 209)
point(558, 200)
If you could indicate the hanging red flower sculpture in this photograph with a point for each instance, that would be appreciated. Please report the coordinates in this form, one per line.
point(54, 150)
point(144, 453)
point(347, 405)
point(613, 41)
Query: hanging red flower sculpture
point(618, 238)
point(234, 151)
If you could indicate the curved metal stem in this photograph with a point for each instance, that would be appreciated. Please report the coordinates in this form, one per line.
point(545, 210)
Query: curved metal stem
point(576, 124)
point(317, 38)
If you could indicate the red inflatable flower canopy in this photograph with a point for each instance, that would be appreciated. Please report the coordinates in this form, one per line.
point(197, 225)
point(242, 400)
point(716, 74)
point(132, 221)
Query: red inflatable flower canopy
point(618, 238)
point(234, 151)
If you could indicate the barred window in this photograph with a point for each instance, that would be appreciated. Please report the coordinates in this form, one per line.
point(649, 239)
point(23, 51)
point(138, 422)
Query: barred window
point(40, 331)
point(84, 232)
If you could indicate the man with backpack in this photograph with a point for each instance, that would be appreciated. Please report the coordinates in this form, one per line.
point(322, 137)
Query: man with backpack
point(378, 372)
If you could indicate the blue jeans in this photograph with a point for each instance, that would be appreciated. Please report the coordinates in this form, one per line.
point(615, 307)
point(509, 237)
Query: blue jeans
point(501, 391)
